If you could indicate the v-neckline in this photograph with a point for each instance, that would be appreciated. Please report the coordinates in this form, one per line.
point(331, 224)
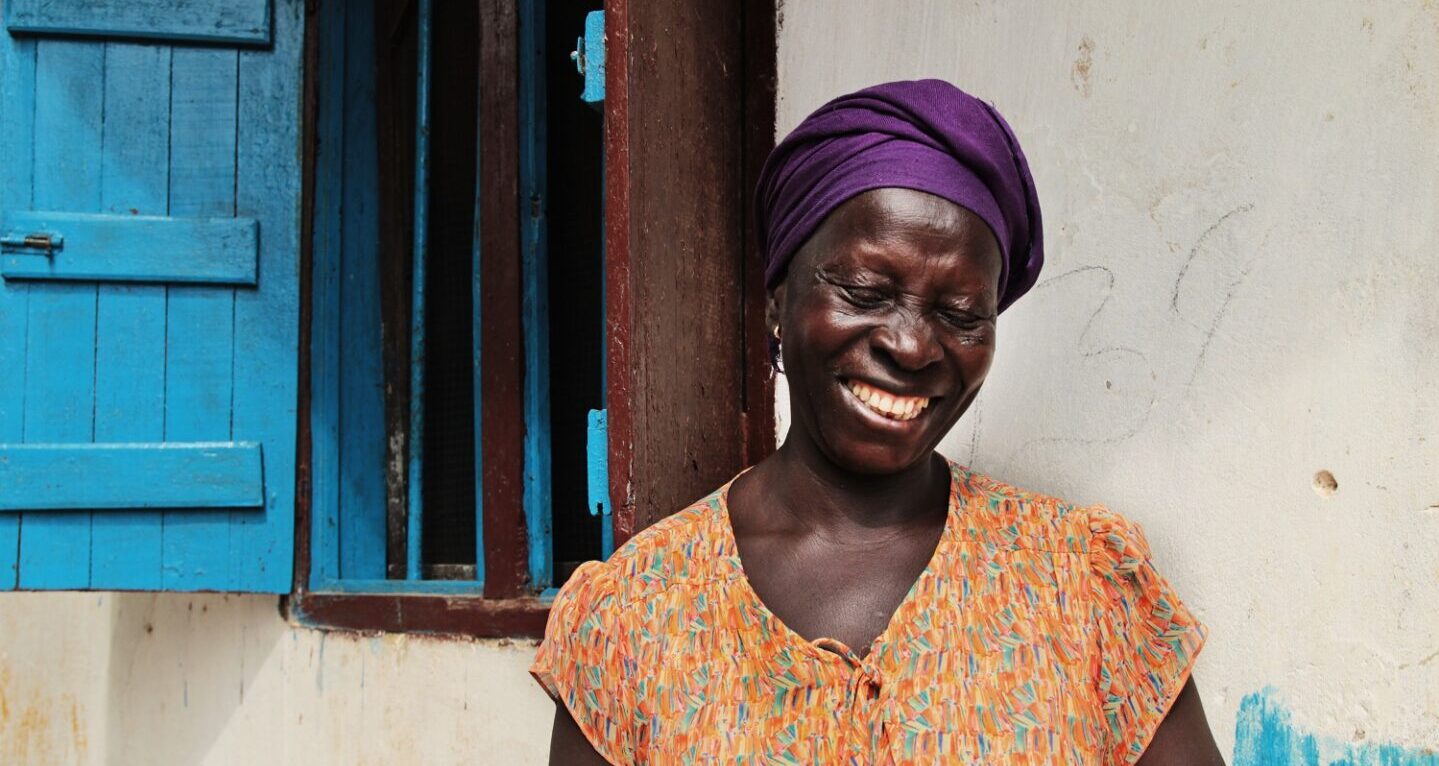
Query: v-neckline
point(896, 619)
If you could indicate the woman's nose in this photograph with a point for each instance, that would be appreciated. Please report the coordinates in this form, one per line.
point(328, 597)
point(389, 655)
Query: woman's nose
point(909, 341)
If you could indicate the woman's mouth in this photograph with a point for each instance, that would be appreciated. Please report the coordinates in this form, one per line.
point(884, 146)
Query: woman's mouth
point(886, 404)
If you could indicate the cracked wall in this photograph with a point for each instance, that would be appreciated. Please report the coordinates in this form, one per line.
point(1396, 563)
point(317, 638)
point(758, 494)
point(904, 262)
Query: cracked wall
point(1234, 337)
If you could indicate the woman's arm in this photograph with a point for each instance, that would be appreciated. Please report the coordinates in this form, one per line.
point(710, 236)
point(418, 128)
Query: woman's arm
point(568, 746)
point(1183, 739)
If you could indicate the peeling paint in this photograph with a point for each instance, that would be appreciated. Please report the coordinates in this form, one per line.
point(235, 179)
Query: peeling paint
point(1265, 735)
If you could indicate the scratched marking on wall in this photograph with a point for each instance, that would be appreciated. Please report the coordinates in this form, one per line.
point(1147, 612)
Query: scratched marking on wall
point(1265, 736)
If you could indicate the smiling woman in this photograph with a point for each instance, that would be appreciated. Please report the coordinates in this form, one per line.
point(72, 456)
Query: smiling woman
point(856, 598)
point(889, 310)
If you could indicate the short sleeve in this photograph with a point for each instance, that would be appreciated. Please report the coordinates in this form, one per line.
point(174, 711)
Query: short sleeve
point(1148, 639)
point(581, 662)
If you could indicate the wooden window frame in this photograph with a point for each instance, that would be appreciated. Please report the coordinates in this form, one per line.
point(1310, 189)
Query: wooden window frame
point(677, 426)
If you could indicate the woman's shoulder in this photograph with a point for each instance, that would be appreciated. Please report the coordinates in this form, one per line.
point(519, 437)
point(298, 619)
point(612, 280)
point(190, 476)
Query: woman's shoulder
point(1002, 512)
point(680, 549)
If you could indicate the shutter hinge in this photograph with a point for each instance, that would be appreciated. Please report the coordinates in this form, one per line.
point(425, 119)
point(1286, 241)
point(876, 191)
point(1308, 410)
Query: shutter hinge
point(597, 462)
point(589, 58)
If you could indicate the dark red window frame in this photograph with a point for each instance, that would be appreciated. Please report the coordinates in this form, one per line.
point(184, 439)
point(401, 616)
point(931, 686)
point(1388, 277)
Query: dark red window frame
point(663, 79)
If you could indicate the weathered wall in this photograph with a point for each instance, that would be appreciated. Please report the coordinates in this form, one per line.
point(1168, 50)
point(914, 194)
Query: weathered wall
point(1241, 202)
point(171, 679)
point(1241, 212)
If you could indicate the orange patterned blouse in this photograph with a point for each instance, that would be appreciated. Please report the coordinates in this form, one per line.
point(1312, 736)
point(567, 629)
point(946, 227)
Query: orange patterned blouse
point(1038, 633)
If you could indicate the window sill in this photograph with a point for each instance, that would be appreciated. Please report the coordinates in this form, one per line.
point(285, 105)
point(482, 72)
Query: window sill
point(470, 616)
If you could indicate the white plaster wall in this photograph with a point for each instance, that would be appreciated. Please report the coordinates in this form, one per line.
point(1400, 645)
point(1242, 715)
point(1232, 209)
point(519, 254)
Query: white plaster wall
point(1241, 202)
point(172, 679)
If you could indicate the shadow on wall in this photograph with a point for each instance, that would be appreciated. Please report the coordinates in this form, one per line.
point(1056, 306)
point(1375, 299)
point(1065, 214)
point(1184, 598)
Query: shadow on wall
point(1264, 736)
point(181, 667)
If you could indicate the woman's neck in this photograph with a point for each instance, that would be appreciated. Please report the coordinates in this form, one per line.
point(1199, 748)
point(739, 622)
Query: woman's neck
point(823, 496)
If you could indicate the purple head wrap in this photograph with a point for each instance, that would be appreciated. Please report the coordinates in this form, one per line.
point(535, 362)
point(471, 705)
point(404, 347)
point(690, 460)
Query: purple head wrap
point(923, 134)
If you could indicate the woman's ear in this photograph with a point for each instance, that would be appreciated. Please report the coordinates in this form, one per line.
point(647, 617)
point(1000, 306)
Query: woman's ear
point(774, 309)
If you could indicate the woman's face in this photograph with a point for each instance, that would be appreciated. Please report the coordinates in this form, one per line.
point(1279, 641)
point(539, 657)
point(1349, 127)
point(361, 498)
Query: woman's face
point(887, 320)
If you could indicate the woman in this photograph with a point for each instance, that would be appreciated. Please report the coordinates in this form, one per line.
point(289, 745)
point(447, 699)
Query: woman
point(856, 598)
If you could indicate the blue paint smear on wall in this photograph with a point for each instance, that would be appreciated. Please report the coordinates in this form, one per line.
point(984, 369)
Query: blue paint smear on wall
point(1265, 736)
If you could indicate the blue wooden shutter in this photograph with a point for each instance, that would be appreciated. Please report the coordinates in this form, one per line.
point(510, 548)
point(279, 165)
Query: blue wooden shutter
point(149, 294)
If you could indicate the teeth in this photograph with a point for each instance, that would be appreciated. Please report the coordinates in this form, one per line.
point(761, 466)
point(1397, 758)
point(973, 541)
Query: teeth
point(887, 404)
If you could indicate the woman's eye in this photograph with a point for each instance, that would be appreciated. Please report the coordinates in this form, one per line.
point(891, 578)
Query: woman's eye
point(863, 297)
point(963, 321)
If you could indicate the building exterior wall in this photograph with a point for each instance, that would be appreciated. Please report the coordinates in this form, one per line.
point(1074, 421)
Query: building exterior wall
point(1241, 209)
point(1241, 206)
point(162, 679)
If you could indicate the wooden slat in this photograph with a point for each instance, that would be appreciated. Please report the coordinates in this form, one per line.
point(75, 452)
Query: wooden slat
point(618, 301)
point(128, 476)
point(234, 21)
point(502, 416)
point(130, 319)
point(327, 339)
point(17, 80)
point(415, 518)
point(362, 532)
point(131, 247)
point(674, 253)
point(199, 355)
point(348, 446)
point(60, 372)
point(267, 320)
point(200, 332)
point(534, 286)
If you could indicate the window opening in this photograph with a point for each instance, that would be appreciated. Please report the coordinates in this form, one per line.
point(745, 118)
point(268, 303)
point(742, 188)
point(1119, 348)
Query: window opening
point(576, 283)
point(397, 423)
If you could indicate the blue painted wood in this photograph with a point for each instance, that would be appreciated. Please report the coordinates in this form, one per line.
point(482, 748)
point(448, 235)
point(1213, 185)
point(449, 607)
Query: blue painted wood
point(534, 292)
point(592, 58)
point(118, 128)
point(597, 475)
point(125, 476)
point(199, 353)
point(125, 550)
point(421, 253)
point(233, 21)
point(133, 248)
point(326, 339)
point(200, 330)
point(363, 516)
point(59, 402)
point(202, 134)
point(267, 320)
point(60, 365)
point(325, 416)
point(347, 402)
point(17, 93)
point(597, 462)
